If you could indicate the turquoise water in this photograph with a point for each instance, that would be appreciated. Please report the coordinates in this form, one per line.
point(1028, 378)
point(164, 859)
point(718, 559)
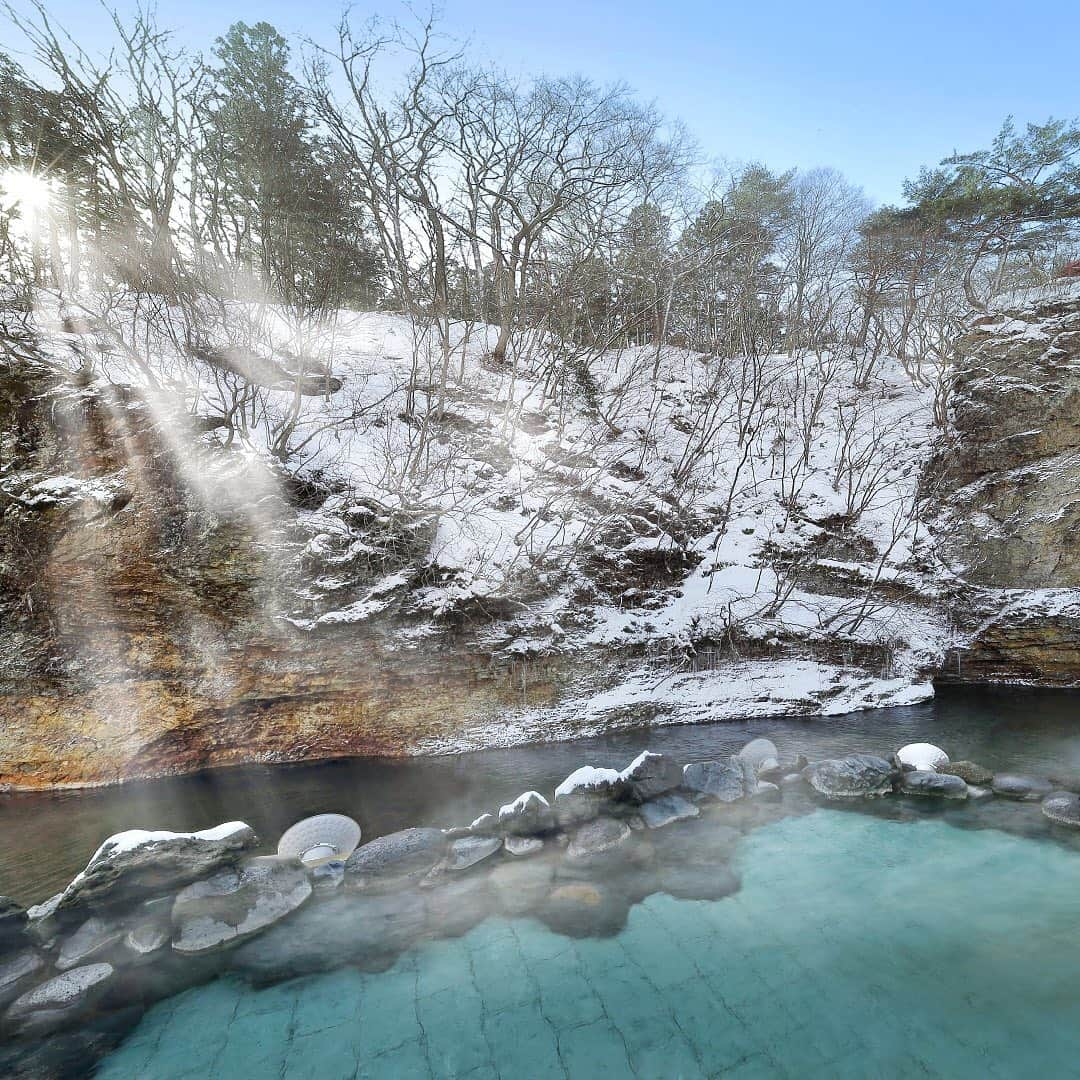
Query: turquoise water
point(857, 947)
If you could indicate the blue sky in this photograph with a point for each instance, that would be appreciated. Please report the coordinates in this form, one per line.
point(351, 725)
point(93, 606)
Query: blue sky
point(874, 89)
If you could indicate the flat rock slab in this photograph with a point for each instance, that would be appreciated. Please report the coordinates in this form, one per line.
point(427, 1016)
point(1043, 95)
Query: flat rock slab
point(666, 810)
point(1063, 808)
point(852, 777)
point(235, 904)
point(721, 780)
point(470, 850)
point(92, 937)
point(941, 785)
point(16, 973)
point(66, 993)
point(392, 859)
point(1028, 788)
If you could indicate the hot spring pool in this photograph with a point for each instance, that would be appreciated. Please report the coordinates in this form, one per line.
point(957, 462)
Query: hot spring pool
point(857, 946)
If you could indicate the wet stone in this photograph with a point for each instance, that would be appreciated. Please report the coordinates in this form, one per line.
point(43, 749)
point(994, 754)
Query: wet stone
point(968, 771)
point(93, 937)
point(13, 920)
point(17, 972)
point(721, 780)
point(1063, 808)
point(57, 1001)
point(597, 841)
point(389, 861)
point(666, 810)
point(470, 850)
point(1027, 788)
point(853, 776)
point(941, 785)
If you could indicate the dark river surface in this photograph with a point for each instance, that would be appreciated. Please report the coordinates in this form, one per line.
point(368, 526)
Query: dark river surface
point(46, 838)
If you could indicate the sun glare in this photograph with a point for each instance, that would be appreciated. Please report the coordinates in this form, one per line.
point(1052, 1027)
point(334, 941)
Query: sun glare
point(25, 190)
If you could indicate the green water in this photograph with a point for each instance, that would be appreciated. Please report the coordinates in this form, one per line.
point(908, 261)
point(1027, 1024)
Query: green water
point(857, 947)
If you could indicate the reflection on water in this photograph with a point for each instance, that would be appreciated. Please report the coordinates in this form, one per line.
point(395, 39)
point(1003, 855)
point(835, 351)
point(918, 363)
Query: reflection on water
point(47, 838)
point(857, 947)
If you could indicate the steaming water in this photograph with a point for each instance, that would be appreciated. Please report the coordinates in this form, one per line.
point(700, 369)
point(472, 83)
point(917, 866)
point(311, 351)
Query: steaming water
point(45, 839)
point(857, 947)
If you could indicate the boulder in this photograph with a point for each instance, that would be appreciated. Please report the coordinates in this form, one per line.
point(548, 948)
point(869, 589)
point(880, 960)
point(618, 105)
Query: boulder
point(851, 777)
point(1063, 808)
point(922, 756)
point(61, 999)
point(327, 875)
point(584, 793)
point(969, 772)
point(942, 785)
point(666, 810)
point(17, 973)
point(93, 937)
point(135, 864)
point(597, 841)
point(522, 846)
point(234, 904)
point(1027, 788)
point(722, 780)
point(393, 860)
point(470, 850)
point(758, 751)
point(528, 815)
point(649, 775)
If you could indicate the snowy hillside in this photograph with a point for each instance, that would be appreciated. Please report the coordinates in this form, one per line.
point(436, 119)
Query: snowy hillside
point(746, 530)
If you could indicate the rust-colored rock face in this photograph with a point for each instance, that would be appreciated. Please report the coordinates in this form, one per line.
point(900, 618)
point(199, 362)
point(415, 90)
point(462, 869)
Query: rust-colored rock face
point(147, 589)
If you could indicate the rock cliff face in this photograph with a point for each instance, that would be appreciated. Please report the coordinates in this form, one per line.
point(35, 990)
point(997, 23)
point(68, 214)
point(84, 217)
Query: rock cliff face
point(1006, 485)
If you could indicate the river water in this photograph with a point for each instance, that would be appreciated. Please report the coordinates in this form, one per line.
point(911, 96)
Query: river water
point(45, 839)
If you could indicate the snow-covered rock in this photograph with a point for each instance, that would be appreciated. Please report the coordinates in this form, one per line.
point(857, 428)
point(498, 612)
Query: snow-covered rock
point(584, 793)
point(530, 813)
point(649, 775)
point(922, 756)
point(136, 863)
point(758, 751)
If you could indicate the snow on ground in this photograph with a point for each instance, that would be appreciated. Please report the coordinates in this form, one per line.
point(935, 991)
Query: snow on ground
point(705, 512)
